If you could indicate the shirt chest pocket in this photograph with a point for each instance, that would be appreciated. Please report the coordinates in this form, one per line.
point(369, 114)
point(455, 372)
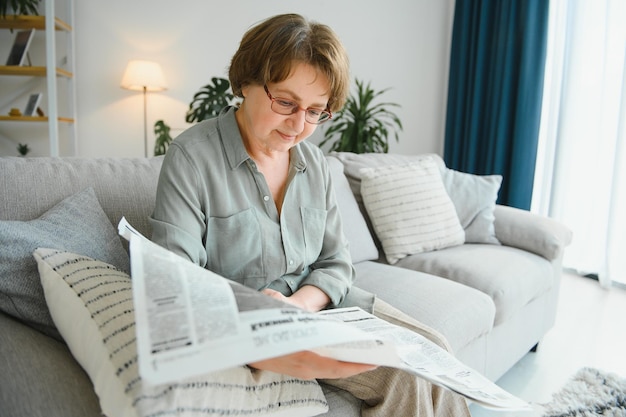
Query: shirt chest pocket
point(234, 246)
point(314, 227)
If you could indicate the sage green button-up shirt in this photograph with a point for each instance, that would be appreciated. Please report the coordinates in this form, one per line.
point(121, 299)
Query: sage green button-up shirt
point(214, 207)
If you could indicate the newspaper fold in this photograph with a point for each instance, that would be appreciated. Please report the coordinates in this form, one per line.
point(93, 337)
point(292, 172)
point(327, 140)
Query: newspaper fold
point(191, 321)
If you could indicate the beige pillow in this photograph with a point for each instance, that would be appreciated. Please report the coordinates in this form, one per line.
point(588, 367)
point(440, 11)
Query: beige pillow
point(473, 196)
point(410, 209)
point(92, 306)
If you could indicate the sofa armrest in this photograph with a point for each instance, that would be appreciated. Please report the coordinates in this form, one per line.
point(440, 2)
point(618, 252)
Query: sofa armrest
point(531, 232)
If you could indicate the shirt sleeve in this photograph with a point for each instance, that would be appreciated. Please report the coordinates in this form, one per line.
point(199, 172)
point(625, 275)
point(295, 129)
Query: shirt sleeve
point(178, 219)
point(333, 271)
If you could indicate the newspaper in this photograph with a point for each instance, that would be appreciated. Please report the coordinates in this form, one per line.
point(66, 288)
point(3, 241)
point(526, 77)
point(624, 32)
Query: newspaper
point(191, 321)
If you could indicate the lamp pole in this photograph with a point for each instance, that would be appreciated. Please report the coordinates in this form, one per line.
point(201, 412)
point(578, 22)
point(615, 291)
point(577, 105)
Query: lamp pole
point(145, 121)
point(142, 76)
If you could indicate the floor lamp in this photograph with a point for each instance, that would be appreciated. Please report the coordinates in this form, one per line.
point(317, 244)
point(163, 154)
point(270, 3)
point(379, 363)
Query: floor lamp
point(144, 76)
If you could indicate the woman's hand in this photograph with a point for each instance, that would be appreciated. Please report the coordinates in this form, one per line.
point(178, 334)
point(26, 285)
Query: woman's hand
point(307, 297)
point(309, 365)
point(305, 364)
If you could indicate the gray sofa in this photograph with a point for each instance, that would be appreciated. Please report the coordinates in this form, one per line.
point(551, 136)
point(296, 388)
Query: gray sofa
point(492, 301)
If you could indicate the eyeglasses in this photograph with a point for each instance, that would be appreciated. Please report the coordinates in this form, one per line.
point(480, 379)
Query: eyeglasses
point(287, 107)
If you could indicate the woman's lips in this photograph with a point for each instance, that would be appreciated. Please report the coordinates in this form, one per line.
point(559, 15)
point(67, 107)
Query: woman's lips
point(287, 137)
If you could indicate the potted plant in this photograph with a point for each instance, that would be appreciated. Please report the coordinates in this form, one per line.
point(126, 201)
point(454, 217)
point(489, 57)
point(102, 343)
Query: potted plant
point(19, 7)
point(206, 103)
point(23, 149)
point(163, 138)
point(210, 100)
point(363, 126)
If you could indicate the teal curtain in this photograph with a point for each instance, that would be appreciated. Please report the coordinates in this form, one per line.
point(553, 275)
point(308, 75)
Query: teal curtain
point(495, 90)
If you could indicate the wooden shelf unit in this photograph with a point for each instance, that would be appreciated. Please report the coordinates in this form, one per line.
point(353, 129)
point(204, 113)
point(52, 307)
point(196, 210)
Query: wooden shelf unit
point(21, 22)
point(33, 119)
point(49, 24)
point(32, 71)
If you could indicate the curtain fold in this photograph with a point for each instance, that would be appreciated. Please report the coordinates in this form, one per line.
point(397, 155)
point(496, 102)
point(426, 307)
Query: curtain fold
point(581, 177)
point(495, 91)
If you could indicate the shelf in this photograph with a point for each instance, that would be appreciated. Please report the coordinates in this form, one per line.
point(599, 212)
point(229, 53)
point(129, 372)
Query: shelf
point(33, 119)
point(31, 22)
point(31, 71)
point(53, 33)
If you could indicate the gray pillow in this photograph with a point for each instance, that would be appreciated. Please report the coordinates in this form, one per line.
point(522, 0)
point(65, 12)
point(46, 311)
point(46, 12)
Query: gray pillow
point(76, 224)
point(474, 198)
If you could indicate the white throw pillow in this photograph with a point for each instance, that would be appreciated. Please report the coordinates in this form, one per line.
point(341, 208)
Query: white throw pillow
point(474, 196)
point(92, 306)
point(410, 209)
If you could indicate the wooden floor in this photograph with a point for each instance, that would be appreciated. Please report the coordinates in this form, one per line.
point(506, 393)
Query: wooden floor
point(590, 330)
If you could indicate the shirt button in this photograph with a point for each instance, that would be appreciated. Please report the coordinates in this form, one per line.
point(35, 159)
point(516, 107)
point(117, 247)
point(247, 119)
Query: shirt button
point(266, 198)
point(291, 262)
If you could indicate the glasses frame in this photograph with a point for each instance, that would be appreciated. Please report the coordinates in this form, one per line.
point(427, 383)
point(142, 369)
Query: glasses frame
point(296, 108)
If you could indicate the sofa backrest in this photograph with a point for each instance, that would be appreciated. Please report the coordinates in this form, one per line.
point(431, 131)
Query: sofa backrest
point(124, 186)
point(127, 187)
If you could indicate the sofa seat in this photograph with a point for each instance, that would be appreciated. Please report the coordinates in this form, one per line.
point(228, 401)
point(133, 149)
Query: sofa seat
point(42, 378)
point(509, 276)
point(462, 314)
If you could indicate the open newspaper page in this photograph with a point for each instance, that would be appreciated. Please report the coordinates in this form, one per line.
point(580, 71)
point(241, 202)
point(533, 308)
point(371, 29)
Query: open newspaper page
point(419, 356)
point(191, 321)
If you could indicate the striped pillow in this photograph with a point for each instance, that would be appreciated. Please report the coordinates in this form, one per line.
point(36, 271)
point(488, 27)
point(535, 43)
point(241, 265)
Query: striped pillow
point(410, 209)
point(91, 304)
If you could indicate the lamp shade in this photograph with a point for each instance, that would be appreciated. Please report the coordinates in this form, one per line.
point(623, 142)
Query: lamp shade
point(140, 74)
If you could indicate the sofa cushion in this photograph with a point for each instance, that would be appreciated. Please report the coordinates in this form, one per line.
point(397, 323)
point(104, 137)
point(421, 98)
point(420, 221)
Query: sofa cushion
point(510, 277)
point(40, 378)
point(462, 314)
point(410, 209)
point(353, 163)
point(92, 304)
point(362, 246)
point(76, 224)
point(474, 196)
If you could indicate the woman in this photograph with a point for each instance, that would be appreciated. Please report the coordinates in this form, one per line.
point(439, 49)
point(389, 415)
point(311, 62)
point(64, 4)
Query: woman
point(245, 197)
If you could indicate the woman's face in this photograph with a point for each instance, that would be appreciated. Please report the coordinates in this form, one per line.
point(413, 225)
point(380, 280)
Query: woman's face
point(266, 131)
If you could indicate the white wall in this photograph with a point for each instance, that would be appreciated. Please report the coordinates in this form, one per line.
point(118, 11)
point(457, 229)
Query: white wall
point(403, 44)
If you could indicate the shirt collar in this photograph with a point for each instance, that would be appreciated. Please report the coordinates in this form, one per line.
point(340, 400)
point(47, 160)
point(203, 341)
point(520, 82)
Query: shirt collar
point(233, 146)
point(232, 142)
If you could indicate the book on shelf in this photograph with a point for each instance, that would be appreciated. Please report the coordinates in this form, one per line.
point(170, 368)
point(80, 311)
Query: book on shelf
point(19, 50)
point(32, 104)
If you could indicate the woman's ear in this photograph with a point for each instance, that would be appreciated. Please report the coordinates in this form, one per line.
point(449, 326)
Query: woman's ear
point(244, 90)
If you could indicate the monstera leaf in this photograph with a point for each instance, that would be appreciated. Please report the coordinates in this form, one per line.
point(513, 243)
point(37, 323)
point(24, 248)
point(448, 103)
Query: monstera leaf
point(209, 101)
point(163, 138)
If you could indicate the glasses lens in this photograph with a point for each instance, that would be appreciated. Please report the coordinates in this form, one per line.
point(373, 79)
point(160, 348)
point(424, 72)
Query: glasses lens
point(285, 107)
point(317, 117)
